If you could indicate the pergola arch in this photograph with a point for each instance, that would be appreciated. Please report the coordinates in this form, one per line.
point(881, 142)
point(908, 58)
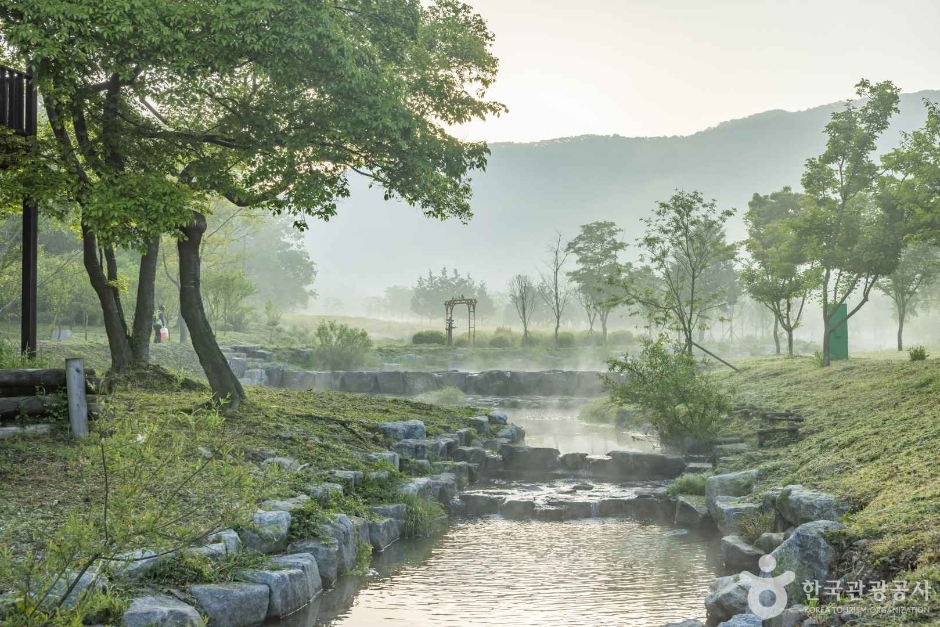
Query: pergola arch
point(449, 305)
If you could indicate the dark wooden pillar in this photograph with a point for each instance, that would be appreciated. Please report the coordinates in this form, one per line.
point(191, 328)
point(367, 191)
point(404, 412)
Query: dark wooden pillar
point(30, 278)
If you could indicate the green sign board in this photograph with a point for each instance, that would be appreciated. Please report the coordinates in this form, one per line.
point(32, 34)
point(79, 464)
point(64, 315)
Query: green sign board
point(839, 340)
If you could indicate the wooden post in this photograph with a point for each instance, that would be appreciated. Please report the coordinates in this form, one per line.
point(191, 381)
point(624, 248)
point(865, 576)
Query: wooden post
point(75, 387)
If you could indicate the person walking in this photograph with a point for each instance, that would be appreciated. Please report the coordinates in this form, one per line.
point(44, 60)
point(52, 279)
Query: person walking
point(159, 323)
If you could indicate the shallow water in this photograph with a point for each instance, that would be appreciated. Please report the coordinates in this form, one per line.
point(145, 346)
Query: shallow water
point(492, 571)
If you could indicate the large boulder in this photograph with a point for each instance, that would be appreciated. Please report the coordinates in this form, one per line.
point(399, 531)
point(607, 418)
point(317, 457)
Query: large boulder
point(286, 505)
point(517, 509)
point(396, 511)
point(742, 620)
point(519, 458)
point(686, 623)
point(498, 418)
point(267, 533)
point(572, 461)
point(691, 513)
point(470, 454)
point(289, 589)
point(481, 504)
point(405, 430)
point(729, 510)
point(445, 484)
point(589, 384)
point(345, 534)
point(454, 379)
point(733, 484)
point(807, 554)
point(412, 449)
point(390, 457)
point(514, 433)
point(383, 533)
point(522, 383)
point(233, 604)
point(326, 554)
point(800, 506)
point(391, 383)
point(421, 382)
point(306, 563)
point(480, 424)
point(137, 564)
point(230, 539)
point(360, 382)
point(738, 555)
point(490, 383)
point(161, 611)
point(633, 465)
point(728, 598)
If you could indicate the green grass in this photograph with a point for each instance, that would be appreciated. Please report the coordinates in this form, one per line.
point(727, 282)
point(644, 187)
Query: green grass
point(688, 484)
point(872, 435)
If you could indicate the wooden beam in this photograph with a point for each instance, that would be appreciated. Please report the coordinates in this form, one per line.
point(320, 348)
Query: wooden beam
point(32, 378)
point(78, 406)
point(17, 406)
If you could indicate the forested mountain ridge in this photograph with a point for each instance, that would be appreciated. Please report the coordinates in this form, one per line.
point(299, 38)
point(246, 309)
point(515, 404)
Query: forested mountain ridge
point(530, 190)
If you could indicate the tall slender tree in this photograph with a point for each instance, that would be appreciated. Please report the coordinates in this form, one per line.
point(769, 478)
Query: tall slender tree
point(918, 268)
point(523, 294)
point(597, 248)
point(553, 284)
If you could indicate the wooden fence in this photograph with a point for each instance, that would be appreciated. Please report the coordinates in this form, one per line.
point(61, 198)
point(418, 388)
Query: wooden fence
point(39, 392)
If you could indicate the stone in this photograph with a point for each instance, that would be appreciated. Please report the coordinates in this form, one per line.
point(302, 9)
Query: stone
point(729, 450)
point(613, 507)
point(288, 589)
point(800, 506)
point(698, 468)
point(228, 537)
point(728, 599)
point(215, 552)
point(481, 504)
point(445, 484)
point(572, 461)
point(345, 534)
point(421, 487)
point(421, 382)
point(361, 526)
point(738, 555)
point(480, 424)
point(359, 382)
point(520, 458)
point(325, 490)
point(493, 444)
point(470, 454)
point(490, 383)
point(449, 443)
point(517, 509)
point(326, 554)
point(87, 582)
point(807, 554)
point(767, 542)
point(492, 464)
point(388, 457)
point(465, 436)
point(549, 513)
point(524, 383)
point(728, 510)
point(454, 379)
point(742, 620)
point(732, 484)
point(390, 383)
point(137, 564)
point(406, 430)
point(691, 513)
point(396, 511)
point(686, 623)
point(383, 533)
point(461, 470)
point(634, 464)
point(232, 604)
point(267, 533)
point(378, 475)
point(578, 509)
point(306, 563)
point(351, 478)
point(287, 463)
point(161, 611)
point(514, 433)
point(497, 418)
point(415, 467)
point(286, 505)
point(412, 449)
point(791, 617)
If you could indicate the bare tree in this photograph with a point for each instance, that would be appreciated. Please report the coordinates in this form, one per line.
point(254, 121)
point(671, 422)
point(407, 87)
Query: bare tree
point(522, 293)
point(553, 287)
point(590, 310)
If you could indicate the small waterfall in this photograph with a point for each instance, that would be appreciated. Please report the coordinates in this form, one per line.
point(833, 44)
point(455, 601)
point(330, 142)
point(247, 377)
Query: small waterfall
point(595, 509)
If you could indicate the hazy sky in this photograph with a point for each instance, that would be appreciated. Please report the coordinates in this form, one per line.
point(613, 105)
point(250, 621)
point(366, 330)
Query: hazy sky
point(674, 67)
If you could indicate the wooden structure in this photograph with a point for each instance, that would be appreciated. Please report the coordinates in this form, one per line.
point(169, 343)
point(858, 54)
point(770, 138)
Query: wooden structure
point(471, 304)
point(38, 392)
point(18, 109)
point(780, 423)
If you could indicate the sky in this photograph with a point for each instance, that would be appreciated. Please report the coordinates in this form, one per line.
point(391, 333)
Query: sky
point(673, 67)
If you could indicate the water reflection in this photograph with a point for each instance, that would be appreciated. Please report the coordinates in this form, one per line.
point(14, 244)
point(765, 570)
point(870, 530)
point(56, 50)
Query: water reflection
point(499, 572)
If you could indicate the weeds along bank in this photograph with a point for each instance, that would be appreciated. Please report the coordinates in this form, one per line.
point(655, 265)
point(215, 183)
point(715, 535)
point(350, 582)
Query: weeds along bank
point(165, 471)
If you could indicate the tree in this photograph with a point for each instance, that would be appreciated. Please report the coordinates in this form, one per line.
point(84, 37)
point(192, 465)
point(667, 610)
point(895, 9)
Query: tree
point(778, 274)
point(587, 302)
point(270, 105)
point(553, 288)
point(850, 235)
point(683, 244)
point(430, 292)
point(918, 267)
point(523, 294)
point(597, 247)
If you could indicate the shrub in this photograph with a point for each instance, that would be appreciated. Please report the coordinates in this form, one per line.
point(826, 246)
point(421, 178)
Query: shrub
point(599, 410)
point(429, 337)
point(444, 396)
point(461, 342)
point(918, 353)
point(339, 346)
point(565, 340)
point(500, 341)
point(688, 484)
point(503, 331)
point(682, 400)
point(619, 338)
point(422, 517)
point(753, 525)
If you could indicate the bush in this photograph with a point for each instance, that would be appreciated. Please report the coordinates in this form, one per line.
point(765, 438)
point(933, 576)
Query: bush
point(619, 338)
point(339, 346)
point(565, 340)
point(429, 337)
point(444, 396)
point(461, 342)
point(500, 341)
point(422, 517)
point(752, 526)
point(682, 400)
point(918, 353)
point(688, 484)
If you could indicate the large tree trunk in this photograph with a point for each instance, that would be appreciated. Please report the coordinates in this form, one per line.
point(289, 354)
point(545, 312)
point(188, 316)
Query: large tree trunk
point(119, 343)
point(184, 331)
point(777, 334)
point(144, 309)
point(790, 342)
point(603, 316)
point(224, 383)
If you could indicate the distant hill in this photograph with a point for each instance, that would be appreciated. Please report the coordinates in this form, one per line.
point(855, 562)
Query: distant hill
point(531, 190)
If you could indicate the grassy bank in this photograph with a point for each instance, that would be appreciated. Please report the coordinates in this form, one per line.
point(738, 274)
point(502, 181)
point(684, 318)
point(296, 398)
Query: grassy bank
point(872, 436)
